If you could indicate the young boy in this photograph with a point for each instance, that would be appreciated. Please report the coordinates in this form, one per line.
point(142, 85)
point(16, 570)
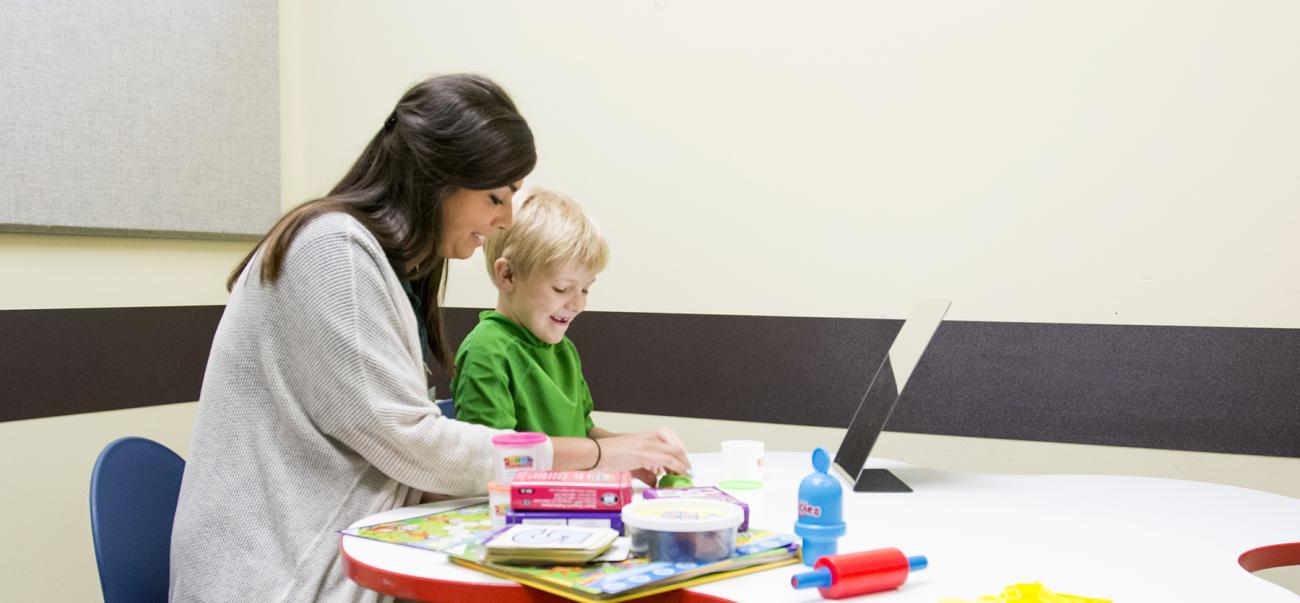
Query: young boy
point(516, 369)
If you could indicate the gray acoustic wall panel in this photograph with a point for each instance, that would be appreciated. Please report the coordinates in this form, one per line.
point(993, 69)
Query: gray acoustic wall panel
point(143, 118)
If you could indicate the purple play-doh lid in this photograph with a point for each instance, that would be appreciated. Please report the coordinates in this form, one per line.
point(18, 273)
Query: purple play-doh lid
point(611, 519)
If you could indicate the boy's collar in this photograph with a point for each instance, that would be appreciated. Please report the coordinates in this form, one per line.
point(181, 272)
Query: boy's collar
point(519, 330)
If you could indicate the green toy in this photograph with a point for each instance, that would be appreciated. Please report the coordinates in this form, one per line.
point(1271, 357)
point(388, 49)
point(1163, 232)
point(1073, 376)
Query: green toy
point(672, 480)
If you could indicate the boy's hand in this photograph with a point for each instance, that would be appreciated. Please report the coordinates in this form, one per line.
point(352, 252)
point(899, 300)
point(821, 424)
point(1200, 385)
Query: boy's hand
point(646, 476)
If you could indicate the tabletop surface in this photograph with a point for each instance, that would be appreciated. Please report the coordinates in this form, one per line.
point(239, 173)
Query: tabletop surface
point(1122, 538)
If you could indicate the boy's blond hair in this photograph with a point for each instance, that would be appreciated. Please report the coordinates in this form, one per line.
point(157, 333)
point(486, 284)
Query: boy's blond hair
point(549, 229)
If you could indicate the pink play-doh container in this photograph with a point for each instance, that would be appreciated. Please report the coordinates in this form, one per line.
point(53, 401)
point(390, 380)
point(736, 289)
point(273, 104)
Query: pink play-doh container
point(515, 452)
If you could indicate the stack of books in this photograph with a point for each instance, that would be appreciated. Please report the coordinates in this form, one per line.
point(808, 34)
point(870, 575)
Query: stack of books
point(548, 545)
point(611, 581)
point(570, 498)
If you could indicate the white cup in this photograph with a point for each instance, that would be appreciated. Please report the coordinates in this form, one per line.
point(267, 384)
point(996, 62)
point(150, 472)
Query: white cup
point(742, 464)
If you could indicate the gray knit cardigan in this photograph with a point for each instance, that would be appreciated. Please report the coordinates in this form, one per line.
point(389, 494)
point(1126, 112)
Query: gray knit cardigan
point(313, 414)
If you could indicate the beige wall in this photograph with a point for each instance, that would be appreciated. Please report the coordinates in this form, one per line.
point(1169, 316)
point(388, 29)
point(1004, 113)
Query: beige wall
point(1096, 162)
point(47, 462)
point(1080, 162)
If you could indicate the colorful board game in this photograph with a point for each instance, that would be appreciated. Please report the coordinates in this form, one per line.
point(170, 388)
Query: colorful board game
point(436, 531)
point(609, 580)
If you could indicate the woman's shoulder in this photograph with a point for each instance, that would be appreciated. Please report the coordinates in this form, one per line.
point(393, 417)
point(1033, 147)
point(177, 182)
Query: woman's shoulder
point(334, 245)
point(337, 228)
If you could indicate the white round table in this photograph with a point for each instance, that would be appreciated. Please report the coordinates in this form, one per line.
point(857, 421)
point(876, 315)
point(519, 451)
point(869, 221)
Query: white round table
point(1121, 538)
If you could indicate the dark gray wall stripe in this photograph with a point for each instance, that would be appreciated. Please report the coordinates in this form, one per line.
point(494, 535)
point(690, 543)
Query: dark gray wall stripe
point(1211, 389)
point(60, 362)
point(801, 371)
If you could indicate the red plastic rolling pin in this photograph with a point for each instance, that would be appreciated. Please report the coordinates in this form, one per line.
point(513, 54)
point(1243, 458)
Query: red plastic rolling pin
point(851, 574)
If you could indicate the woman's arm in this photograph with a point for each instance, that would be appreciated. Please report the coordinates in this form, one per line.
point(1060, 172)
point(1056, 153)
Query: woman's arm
point(645, 454)
point(575, 454)
point(666, 434)
point(353, 371)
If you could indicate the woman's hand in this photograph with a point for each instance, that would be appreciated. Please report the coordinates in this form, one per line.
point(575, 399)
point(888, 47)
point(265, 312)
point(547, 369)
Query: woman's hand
point(645, 454)
point(670, 436)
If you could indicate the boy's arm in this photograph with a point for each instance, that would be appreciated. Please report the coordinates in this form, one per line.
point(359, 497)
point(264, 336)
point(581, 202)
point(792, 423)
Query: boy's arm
point(601, 432)
point(664, 434)
point(481, 392)
point(587, 406)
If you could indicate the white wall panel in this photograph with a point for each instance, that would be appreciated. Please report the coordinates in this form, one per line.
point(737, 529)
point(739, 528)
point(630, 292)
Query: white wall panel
point(155, 118)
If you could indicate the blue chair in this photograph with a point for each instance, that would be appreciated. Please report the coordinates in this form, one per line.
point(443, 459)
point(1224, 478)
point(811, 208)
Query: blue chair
point(133, 492)
point(447, 407)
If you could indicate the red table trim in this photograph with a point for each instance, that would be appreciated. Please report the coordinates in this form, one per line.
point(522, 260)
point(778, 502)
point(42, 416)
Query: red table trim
point(433, 590)
point(1274, 555)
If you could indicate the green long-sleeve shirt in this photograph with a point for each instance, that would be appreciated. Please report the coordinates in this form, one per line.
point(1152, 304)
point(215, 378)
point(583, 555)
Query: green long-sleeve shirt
point(509, 379)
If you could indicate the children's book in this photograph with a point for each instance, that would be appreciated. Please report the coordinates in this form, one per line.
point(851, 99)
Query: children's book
point(610, 582)
point(534, 544)
point(436, 531)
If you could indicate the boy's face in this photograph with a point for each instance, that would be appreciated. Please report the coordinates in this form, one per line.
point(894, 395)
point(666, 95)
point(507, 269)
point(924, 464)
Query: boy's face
point(548, 301)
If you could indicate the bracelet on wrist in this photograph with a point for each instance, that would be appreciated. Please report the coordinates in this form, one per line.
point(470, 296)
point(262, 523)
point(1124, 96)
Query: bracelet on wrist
point(599, 453)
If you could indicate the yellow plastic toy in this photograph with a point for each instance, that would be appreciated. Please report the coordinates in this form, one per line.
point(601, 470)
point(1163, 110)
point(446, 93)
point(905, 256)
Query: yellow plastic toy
point(1032, 592)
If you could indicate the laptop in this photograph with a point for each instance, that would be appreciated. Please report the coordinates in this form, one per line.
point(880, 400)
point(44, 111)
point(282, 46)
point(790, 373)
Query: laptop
point(881, 397)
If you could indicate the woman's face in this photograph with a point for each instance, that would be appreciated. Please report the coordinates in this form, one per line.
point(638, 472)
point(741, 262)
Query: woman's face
point(469, 216)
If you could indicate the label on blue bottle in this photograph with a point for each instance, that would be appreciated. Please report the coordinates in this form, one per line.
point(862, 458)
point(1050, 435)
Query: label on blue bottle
point(807, 509)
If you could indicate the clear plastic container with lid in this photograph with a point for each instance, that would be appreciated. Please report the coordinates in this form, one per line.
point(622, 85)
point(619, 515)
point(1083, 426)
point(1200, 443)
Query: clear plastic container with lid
point(515, 452)
point(498, 504)
point(680, 529)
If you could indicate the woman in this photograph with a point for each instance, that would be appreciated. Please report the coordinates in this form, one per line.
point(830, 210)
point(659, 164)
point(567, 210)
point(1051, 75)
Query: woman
point(314, 410)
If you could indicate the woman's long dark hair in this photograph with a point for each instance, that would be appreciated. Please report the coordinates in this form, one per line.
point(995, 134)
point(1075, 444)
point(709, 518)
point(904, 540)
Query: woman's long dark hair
point(447, 132)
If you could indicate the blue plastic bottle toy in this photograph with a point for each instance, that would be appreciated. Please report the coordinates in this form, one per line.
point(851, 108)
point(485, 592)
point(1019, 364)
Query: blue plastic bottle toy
point(820, 523)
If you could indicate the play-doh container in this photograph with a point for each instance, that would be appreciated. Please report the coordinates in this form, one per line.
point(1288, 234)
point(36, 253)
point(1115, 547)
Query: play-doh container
point(679, 529)
point(498, 503)
point(515, 452)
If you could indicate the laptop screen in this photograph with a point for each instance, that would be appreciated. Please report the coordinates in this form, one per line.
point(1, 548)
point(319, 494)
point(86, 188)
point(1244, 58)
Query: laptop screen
point(881, 396)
